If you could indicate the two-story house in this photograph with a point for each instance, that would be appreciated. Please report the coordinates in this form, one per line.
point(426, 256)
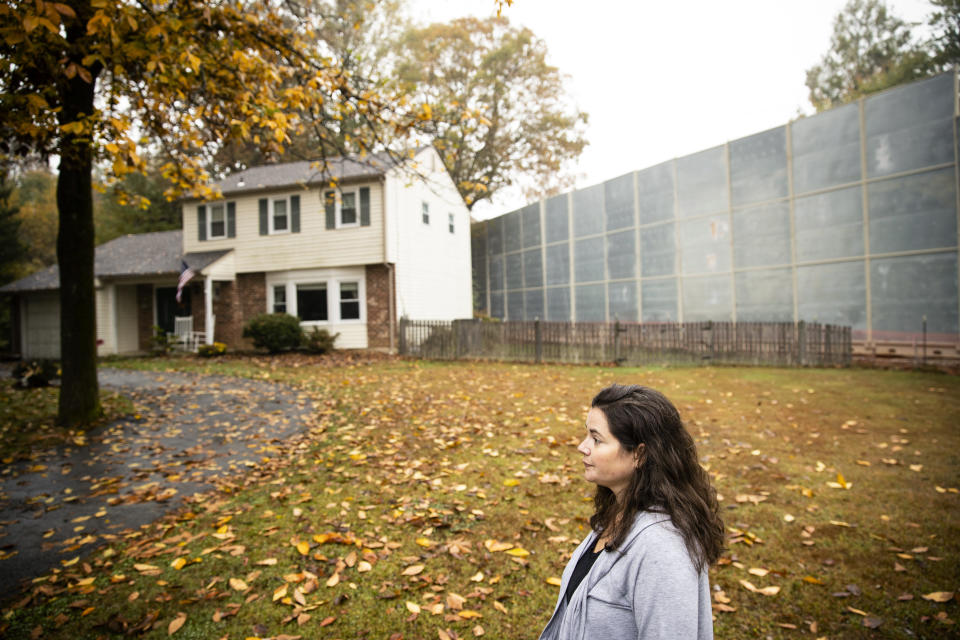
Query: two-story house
point(351, 255)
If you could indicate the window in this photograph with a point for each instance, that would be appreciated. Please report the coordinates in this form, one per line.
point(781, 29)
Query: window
point(348, 209)
point(450, 221)
point(426, 213)
point(218, 221)
point(279, 220)
point(312, 302)
point(280, 299)
point(349, 301)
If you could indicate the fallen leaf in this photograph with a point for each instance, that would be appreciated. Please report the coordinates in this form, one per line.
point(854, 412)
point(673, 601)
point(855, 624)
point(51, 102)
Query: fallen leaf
point(494, 546)
point(238, 585)
point(176, 623)
point(938, 596)
point(554, 581)
point(413, 607)
point(413, 570)
point(518, 552)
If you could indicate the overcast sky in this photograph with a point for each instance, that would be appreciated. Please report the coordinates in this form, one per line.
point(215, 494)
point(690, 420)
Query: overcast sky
point(660, 80)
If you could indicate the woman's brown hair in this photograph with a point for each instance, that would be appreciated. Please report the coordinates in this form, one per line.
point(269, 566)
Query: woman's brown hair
point(669, 478)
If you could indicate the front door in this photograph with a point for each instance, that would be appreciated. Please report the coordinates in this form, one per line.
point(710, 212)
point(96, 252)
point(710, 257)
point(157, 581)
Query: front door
point(168, 308)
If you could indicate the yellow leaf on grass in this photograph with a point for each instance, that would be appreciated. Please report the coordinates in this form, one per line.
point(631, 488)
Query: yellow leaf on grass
point(511, 482)
point(303, 547)
point(494, 545)
point(279, 592)
point(477, 577)
point(71, 562)
point(455, 601)
point(766, 591)
point(756, 571)
point(468, 613)
point(478, 631)
point(413, 607)
point(145, 567)
point(812, 580)
point(424, 542)
point(519, 552)
point(939, 596)
point(176, 623)
point(238, 585)
point(413, 570)
point(334, 580)
point(363, 566)
point(554, 581)
point(267, 562)
point(179, 563)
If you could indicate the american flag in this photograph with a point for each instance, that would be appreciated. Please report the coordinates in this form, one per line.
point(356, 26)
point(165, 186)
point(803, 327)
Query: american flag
point(185, 274)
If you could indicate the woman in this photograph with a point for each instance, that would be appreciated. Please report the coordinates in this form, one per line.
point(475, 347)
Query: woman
point(642, 572)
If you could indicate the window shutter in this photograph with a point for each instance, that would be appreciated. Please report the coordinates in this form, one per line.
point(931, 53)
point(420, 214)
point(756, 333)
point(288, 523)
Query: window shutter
point(330, 206)
point(201, 223)
point(294, 214)
point(264, 228)
point(364, 206)
point(231, 219)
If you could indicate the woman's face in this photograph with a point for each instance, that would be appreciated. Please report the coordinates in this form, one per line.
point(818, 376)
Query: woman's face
point(605, 462)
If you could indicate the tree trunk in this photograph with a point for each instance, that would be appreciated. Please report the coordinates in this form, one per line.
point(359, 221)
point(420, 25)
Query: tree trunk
point(79, 393)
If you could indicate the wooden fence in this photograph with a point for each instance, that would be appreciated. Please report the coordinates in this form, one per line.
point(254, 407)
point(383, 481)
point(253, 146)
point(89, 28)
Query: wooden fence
point(635, 344)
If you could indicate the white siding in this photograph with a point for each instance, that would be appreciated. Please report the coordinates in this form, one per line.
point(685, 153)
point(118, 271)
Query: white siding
point(106, 329)
point(41, 325)
point(314, 246)
point(126, 315)
point(353, 333)
point(223, 269)
point(432, 265)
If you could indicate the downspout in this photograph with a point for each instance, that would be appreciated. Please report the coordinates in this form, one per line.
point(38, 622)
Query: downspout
point(388, 266)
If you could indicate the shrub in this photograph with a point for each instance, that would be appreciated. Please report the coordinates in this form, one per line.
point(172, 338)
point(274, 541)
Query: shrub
point(211, 350)
point(318, 341)
point(274, 332)
point(36, 373)
point(162, 342)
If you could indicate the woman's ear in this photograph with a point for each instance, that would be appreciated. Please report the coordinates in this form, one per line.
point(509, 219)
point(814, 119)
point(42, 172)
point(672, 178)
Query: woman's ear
point(639, 455)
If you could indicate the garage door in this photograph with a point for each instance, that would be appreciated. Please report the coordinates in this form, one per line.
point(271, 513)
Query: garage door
point(41, 325)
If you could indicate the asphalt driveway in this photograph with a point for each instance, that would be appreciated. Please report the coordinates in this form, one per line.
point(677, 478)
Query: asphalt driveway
point(189, 432)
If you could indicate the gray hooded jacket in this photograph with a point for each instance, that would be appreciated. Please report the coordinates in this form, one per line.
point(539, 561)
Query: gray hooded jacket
point(648, 588)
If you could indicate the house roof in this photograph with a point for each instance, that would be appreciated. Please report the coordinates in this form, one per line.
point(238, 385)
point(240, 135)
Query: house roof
point(142, 254)
point(305, 172)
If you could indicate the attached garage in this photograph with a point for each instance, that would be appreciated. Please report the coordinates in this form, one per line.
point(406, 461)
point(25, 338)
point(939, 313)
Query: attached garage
point(40, 319)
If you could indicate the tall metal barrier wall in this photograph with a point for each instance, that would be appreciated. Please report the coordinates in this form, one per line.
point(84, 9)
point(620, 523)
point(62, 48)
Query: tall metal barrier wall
point(756, 343)
point(848, 217)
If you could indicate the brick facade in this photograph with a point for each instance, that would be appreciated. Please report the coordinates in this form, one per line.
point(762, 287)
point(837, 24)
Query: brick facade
point(381, 305)
point(251, 295)
point(234, 303)
point(145, 317)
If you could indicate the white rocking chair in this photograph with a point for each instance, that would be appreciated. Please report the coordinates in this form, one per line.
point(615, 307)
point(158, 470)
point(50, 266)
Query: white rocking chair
point(187, 338)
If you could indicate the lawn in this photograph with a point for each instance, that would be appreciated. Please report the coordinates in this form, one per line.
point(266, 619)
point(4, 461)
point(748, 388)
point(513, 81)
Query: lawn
point(28, 428)
point(439, 500)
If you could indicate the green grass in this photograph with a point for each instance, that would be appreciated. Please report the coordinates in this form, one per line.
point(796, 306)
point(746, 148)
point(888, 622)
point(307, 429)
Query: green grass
point(441, 457)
